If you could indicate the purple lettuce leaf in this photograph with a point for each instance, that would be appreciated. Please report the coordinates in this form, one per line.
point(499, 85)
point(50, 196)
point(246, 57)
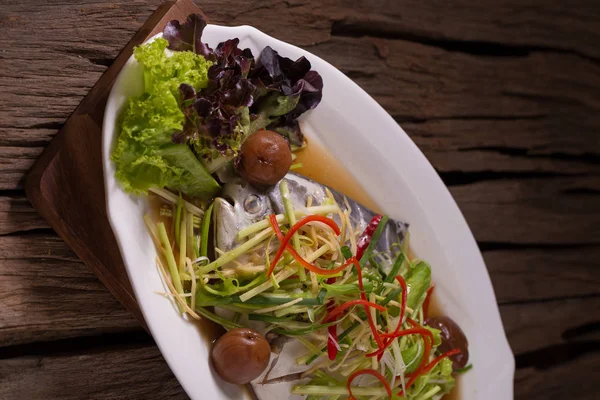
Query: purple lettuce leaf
point(187, 36)
point(242, 94)
point(310, 88)
point(279, 72)
point(214, 119)
point(290, 78)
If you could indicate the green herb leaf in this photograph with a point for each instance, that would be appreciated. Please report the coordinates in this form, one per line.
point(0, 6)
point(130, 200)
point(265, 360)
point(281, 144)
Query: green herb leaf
point(417, 284)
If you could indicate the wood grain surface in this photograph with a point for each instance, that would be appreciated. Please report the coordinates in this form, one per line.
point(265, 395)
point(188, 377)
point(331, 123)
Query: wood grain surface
point(65, 182)
point(502, 96)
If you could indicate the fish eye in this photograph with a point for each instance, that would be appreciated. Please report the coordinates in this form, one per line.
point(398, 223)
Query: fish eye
point(252, 204)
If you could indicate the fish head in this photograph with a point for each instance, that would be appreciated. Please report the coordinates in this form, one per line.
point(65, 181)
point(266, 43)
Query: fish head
point(239, 206)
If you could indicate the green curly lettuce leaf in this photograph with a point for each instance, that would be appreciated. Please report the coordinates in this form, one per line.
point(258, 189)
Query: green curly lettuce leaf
point(170, 71)
point(145, 155)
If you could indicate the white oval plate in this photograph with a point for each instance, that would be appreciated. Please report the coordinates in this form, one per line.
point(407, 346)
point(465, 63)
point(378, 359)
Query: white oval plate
point(389, 166)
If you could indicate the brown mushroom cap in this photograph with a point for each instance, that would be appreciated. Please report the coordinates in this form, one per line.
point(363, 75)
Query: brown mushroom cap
point(240, 355)
point(265, 158)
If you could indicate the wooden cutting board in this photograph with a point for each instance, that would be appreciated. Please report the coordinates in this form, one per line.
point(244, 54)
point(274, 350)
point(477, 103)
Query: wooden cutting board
point(66, 183)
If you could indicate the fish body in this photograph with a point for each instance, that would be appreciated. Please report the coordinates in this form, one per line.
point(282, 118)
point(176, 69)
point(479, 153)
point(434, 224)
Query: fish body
point(242, 205)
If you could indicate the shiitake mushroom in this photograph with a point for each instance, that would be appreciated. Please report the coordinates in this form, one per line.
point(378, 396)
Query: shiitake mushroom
point(240, 355)
point(264, 159)
point(452, 338)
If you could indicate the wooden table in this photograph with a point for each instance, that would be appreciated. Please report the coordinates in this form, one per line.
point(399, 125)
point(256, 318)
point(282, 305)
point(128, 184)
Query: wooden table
point(502, 96)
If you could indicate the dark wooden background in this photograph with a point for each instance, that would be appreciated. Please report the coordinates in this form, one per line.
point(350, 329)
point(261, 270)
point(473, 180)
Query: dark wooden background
point(503, 96)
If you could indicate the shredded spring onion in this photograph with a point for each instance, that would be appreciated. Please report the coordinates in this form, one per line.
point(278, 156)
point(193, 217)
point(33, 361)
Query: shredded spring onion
point(357, 308)
point(172, 198)
point(316, 210)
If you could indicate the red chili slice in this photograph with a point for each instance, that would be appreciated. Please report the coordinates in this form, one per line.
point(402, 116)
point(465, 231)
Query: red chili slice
point(285, 243)
point(388, 339)
point(275, 226)
point(402, 283)
point(426, 302)
point(339, 309)
point(428, 368)
point(371, 372)
point(365, 238)
point(391, 336)
point(428, 340)
point(332, 345)
point(313, 268)
point(436, 360)
point(363, 296)
point(332, 342)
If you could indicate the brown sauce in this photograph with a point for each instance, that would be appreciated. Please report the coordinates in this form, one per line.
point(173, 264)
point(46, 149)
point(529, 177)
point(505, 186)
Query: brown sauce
point(320, 165)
